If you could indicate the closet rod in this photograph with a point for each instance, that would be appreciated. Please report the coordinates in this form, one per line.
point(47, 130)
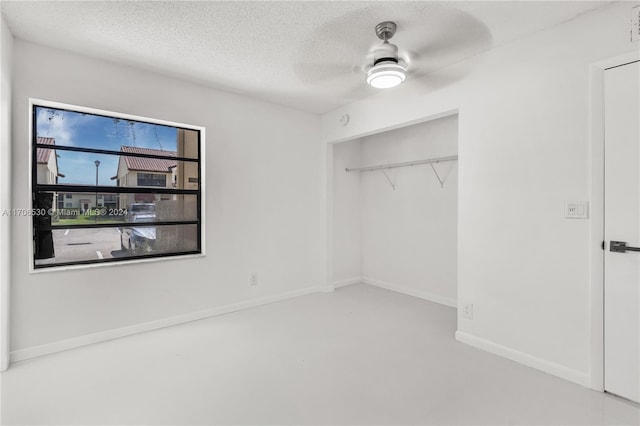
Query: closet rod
point(405, 164)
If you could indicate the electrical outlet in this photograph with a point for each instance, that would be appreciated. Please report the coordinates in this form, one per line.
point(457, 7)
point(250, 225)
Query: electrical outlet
point(253, 279)
point(467, 310)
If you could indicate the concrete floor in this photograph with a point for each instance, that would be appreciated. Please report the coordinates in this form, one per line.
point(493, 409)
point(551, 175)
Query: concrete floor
point(361, 355)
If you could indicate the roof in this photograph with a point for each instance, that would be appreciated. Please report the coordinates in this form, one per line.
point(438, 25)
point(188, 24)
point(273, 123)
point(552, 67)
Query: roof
point(43, 154)
point(149, 164)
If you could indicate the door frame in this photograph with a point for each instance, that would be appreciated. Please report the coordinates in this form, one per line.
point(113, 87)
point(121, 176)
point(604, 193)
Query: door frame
point(596, 252)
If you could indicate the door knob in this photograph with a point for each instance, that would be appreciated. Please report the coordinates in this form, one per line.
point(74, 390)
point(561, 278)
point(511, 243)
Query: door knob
point(621, 247)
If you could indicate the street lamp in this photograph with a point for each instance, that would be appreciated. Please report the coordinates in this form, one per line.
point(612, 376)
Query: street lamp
point(97, 165)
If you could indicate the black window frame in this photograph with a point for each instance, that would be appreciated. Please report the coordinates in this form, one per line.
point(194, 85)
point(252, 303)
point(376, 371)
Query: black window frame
point(40, 225)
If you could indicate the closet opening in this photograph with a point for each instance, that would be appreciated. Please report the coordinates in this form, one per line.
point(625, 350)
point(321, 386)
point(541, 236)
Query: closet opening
point(395, 210)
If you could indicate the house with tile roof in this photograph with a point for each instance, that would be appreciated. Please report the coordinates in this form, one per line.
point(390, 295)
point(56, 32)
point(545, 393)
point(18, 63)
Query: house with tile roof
point(47, 169)
point(48, 174)
point(47, 162)
point(144, 172)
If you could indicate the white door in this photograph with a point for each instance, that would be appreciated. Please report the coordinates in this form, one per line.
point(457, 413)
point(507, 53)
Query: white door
point(622, 224)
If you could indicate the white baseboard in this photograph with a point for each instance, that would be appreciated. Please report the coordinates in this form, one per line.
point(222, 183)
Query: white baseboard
point(549, 367)
point(329, 288)
point(346, 282)
point(448, 301)
point(88, 339)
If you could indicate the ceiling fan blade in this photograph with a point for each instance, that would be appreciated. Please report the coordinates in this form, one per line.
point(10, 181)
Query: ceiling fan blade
point(357, 91)
point(436, 80)
point(321, 72)
point(445, 37)
point(435, 56)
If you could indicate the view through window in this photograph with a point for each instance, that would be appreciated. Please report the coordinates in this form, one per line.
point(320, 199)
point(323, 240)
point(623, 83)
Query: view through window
point(107, 188)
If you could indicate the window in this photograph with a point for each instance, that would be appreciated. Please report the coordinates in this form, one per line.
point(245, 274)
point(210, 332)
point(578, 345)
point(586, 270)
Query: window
point(93, 155)
point(152, 179)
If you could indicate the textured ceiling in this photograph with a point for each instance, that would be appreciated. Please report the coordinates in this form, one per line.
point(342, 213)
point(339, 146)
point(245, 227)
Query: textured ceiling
point(307, 55)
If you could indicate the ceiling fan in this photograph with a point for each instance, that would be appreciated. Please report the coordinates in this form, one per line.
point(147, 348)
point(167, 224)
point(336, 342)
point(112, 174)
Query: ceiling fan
point(387, 70)
point(341, 55)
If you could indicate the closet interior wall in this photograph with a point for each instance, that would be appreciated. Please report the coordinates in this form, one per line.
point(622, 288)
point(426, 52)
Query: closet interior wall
point(399, 231)
point(347, 214)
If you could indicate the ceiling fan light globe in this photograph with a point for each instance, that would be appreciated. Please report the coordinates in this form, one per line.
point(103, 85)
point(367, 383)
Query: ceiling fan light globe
point(385, 81)
point(386, 75)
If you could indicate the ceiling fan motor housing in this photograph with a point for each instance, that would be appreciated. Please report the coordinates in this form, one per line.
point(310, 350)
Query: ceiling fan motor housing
point(386, 52)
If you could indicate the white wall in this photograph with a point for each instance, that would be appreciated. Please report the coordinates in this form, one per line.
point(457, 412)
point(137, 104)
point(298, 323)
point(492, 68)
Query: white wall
point(6, 53)
point(524, 150)
point(347, 215)
point(264, 167)
point(409, 235)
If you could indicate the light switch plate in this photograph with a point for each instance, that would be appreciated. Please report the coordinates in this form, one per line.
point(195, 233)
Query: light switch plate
point(576, 209)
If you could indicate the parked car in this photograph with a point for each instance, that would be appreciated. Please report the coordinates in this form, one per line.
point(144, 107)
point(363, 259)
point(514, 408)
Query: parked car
point(139, 239)
point(137, 209)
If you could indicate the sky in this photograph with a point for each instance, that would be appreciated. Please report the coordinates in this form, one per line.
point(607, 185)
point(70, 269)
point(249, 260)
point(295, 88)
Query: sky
point(93, 131)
